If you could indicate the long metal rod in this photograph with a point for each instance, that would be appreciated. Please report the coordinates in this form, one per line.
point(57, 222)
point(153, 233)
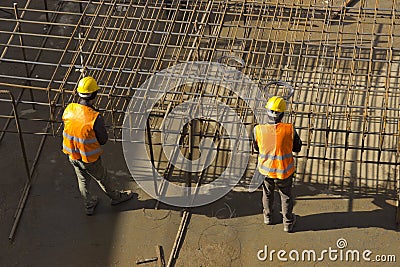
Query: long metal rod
point(28, 84)
point(27, 186)
point(21, 42)
point(344, 69)
point(15, 30)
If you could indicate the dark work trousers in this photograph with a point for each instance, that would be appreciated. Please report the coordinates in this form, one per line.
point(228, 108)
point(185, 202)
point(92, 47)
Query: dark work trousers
point(85, 172)
point(285, 191)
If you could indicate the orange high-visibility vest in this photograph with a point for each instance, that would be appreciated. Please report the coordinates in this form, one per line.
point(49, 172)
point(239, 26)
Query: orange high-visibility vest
point(275, 143)
point(79, 138)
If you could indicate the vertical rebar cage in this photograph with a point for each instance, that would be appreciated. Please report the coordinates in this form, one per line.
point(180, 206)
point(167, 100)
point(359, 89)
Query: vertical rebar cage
point(342, 58)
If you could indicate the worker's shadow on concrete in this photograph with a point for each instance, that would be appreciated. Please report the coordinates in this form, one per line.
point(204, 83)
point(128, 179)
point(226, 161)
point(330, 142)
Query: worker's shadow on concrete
point(136, 203)
point(232, 205)
point(242, 204)
point(338, 220)
point(383, 216)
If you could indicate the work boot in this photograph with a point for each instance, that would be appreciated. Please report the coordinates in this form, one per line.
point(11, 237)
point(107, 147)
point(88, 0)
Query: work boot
point(123, 196)
point(89, 210)
point(268, 220)
point(289, 227)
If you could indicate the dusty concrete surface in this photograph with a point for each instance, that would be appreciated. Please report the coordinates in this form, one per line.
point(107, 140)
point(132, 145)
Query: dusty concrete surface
point(54, 231)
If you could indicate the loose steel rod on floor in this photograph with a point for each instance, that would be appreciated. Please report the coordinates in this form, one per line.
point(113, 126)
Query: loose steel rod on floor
point(344, 67)
point(27, 186)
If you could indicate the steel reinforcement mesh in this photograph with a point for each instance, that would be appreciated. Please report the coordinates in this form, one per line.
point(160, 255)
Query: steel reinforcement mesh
point(342, 58)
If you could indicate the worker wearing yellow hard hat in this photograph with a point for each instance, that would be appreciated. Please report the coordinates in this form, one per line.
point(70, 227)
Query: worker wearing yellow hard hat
point(276, 107)
point(87, 87)
point(84, 133)
point(275, 141)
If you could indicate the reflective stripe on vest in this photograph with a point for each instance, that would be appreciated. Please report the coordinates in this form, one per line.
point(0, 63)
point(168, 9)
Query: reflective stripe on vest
point(79, 138)
point(266, 156)
point(87, 154)
point(275, 142)
point(289, 167)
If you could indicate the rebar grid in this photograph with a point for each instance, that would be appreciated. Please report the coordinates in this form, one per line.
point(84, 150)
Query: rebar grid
point(342, 60)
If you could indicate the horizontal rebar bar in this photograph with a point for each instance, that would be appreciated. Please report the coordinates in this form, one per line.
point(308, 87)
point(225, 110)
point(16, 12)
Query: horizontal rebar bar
point(343, 62)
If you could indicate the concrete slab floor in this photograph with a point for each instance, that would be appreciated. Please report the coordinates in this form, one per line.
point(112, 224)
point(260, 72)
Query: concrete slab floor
point(54, 231)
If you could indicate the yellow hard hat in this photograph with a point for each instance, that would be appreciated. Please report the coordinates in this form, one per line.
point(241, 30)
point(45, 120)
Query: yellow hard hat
point(277, 104)
point(87, 85)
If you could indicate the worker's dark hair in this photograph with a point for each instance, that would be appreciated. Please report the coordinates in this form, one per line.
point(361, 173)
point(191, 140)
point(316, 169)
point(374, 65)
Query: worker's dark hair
point(90, 96)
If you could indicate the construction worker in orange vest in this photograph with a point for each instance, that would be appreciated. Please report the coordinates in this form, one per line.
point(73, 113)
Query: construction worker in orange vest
point(275, 142)
point(84, 133)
